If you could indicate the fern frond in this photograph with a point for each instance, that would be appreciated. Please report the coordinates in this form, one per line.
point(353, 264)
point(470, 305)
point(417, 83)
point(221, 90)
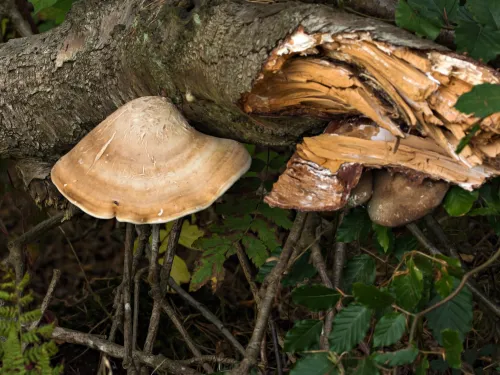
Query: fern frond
point(24, 282)
point(25, 300)
point(11, 285)
point(13, 362)
point(30, 337)
point(30, 316)
point(8, 312)
point(45, 330)
point(7, 296)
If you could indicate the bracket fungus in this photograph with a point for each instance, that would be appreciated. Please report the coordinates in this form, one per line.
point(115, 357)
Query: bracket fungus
point(144, 164)
point(390, 103)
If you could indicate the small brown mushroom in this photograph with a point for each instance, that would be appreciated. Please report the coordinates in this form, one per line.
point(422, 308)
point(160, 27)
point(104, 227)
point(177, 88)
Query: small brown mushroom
point(145, 164)
point(397, 200)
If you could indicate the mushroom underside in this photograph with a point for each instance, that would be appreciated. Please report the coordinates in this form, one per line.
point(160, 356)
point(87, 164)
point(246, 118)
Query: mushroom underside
point(389, 108)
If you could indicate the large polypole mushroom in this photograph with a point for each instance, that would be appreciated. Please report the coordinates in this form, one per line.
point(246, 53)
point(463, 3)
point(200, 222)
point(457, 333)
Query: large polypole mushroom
point(145, 164)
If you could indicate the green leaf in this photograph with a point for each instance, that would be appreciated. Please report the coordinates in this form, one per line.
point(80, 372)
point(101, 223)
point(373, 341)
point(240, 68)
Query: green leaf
point(255, 249)
point(455, 314)
point(404, 244)
point(314, 364)
point(268, 265)
point(42, 4)
point(315, 297)
point(355, 226)
point(349, 327)
point(459, 201)
point(397, 358)
point(366, 367)
point(444, 285)
point(453, 348)
point(371, 296)
point(479, 41)
point(303, 336)
point(384, 236)
point(409, 287)
point(266, 233)
point(486, 12)
point(482, 101)
point(410, 19)
point(389, 329)
point(360, 268)
point(422, 367)
point(466, 140)
point(276, 215)
point(208, 268)
point(302, 269)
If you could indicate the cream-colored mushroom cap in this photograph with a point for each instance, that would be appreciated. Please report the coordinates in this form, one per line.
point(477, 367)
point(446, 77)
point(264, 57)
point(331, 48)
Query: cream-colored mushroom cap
point(146, 164)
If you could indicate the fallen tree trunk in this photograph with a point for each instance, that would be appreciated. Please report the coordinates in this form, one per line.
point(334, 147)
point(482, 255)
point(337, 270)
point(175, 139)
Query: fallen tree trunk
point(56, 86)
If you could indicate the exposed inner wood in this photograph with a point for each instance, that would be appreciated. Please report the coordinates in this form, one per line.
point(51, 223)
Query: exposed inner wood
point(403, 90)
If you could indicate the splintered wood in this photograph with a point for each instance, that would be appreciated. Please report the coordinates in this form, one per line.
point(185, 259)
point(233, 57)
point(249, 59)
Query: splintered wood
point(406, 93)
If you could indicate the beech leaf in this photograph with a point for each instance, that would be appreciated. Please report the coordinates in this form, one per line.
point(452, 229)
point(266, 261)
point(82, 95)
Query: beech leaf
point(315, 297)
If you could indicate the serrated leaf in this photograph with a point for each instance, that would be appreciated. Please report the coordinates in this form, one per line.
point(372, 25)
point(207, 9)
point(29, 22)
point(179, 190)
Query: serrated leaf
point(314, 364)
point(349, 327)
point(303, 336)
point(366, 367)
point(371, 296)
point(237, 207)
point(479, 41)
point(397, 358)
point(453, 347)
point(315, 297)
point(189, 234)
point(408, 287)
point(455, 314)
point(389, 329)
point(410, 19)
point(360, 268)
point(266, 233)
point(459, 201)
point(276, 215)
point(486, 12)
point(384, 236)
point(355, 225)
point(255, 249)
point(422, 367)
point(482, 101)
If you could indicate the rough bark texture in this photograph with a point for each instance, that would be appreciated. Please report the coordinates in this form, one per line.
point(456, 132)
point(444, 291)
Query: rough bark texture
point(56, 86)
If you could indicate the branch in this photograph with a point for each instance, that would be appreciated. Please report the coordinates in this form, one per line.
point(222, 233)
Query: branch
point(127, 324)
point(272, 281)
point(415, 230)
point(452, 295)
point(95, 342)
point(207, 314)
point(48, 296)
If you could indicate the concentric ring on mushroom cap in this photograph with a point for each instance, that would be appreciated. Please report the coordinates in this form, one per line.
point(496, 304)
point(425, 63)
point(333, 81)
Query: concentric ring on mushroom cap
point(146, 164)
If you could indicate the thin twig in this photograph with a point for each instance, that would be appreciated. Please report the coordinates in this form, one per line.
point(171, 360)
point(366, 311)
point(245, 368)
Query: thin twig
point(117, 351)
point(185, 335)
point(452, 295)
point(242, 257)
point(56, 274)
point(137, 285)
point(127, 324)
point(208, 358)
point(415, 230)
point(207, 314)
point(168, 259)
point(272, 281)
point(277, 354)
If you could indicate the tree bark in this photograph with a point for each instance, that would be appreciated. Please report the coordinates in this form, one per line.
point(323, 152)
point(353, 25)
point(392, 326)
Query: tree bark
point(56, 86)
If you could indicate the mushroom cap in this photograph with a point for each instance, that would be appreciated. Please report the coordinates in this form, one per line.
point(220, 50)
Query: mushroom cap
point(145, 164)
point(397, 201)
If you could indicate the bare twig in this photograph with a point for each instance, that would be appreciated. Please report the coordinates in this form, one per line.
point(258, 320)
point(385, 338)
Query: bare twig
point(208, 358)
point(272, 282)
point(242, 257)
point(168, 259)
point(117, 351)
point(56, 274)
point(185, 335)
point(137, 284)
point(127, 324)
point(277, 354)
point(415, 230)
point(207, 314)
point(452, 295)
point(16, 258)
